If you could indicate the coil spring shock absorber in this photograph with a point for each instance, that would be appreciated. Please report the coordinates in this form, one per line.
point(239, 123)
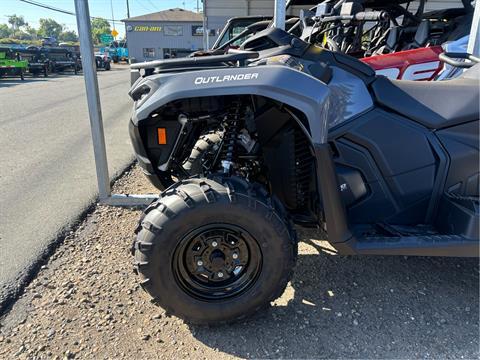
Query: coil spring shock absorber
point(232, 122)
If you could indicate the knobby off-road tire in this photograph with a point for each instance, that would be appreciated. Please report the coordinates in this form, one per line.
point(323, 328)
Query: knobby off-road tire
point(203, 209)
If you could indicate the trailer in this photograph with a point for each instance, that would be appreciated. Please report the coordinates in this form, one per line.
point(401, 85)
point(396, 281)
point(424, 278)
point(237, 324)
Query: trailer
point(11, 64)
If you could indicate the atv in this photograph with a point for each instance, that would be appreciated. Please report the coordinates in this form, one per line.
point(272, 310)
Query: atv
point(246, 144)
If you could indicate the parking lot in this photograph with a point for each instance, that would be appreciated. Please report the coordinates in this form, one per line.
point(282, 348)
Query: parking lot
point(47, 175)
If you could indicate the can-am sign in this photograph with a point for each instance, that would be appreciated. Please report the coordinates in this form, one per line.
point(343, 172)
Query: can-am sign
point(144, 28)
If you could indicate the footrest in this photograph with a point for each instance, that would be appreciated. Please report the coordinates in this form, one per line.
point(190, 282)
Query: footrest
point(459, 215)
point(429, 245)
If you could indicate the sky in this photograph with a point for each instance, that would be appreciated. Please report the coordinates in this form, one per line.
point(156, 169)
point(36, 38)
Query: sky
point(99, 8)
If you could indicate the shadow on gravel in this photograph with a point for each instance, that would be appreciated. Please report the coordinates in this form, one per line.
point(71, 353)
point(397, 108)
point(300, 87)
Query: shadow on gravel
point(364, 307)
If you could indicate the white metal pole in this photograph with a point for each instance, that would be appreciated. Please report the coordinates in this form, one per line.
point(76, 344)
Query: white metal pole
point(113, 18)
point(93, 97)
point(279, 14)
point(474, 40)
point(205, 32)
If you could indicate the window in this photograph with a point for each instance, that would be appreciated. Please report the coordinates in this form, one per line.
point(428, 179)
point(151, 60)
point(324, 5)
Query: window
point(169, 53)
point(148, 52)
point(197, 30)
point(173, 30)
point(236, 27)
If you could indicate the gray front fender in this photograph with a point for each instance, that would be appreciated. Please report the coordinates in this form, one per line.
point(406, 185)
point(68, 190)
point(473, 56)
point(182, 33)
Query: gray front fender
point(289, 86)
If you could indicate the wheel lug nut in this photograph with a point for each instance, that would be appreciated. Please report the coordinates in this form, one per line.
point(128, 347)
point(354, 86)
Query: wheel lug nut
point(235, 256)
point(199, 262)
point(214, 243)
point(220, 274)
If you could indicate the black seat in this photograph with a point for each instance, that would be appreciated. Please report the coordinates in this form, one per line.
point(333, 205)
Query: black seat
point(421, 35)
point(434, 104)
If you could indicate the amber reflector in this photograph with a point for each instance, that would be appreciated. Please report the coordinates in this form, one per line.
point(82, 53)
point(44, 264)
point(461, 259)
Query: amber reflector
point(162, 136)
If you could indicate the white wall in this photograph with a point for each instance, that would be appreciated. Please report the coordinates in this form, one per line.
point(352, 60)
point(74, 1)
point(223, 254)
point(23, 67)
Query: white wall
point(438, 4)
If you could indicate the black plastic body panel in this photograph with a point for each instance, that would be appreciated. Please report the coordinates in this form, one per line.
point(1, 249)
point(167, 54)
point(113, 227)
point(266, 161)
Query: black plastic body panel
point(352, 185)
point(346, 62)
point(459, 215)
point(453, 246)
point(400, 178)
point(272, 39)
point(433, 104)
point(161, 152)
point(461, 143)
point(279, 155)
point(409, 171)
point(142, 157)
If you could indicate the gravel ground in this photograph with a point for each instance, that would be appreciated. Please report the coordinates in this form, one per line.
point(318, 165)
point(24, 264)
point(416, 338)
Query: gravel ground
point(85, 303)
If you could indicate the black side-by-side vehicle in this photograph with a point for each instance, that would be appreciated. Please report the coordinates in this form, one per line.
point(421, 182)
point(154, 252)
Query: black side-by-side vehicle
point(62, 59)
point(38, 62)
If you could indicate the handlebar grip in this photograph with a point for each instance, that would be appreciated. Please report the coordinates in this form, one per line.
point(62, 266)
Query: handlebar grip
point(360, 16)
point(371, 16)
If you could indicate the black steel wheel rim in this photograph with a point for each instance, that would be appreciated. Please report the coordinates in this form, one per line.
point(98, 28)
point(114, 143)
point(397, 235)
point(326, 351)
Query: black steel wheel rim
point(216, 262)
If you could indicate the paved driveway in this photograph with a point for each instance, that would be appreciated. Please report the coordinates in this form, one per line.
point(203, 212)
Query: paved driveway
point(47, 173)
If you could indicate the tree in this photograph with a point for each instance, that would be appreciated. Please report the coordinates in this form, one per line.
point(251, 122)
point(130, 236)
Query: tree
point(31, 31)
point(4, 31)
point(68, 35)
point(50, 28)
point(99, 26)
point(17, 22)
point(23, 35)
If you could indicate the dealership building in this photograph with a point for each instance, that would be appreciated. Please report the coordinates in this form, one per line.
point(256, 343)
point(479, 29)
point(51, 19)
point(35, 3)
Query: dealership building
point(164, 34)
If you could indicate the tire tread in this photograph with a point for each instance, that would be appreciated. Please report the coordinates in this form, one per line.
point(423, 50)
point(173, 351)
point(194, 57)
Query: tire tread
point(253, 196)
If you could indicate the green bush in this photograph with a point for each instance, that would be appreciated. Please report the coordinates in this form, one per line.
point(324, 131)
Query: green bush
point(20, 42)
point(32, 42)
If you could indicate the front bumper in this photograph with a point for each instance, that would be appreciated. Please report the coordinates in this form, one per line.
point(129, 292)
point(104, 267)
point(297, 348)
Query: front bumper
point(142, 157)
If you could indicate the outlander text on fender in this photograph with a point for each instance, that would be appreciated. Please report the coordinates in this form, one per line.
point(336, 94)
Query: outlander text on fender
point(225, 78)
